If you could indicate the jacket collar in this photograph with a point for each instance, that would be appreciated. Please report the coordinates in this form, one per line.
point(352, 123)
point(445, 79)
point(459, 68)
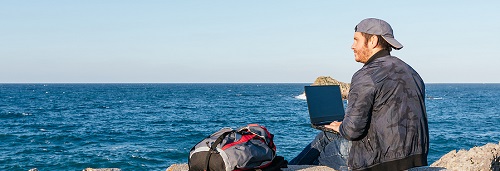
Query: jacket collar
point(379, 54)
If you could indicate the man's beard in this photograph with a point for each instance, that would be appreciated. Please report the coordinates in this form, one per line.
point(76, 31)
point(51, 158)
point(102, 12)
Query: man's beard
point(362, 55)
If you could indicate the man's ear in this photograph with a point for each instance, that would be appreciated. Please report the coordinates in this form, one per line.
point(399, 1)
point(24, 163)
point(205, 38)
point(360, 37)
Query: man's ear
point(372, 43)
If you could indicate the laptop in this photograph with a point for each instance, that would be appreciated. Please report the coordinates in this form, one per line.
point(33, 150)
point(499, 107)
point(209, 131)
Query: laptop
point(325, 105)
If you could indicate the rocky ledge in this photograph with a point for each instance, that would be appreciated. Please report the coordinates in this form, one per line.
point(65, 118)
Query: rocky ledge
point(485, 158)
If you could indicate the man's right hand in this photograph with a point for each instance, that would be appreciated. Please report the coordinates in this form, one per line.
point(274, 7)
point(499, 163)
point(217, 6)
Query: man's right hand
point(334, 125)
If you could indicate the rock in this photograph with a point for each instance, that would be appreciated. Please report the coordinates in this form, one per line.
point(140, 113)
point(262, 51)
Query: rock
point(184, 167)
point(178, 167)
point(427, 168)
point(307, 168)
point(326, 80)
point(486, 157)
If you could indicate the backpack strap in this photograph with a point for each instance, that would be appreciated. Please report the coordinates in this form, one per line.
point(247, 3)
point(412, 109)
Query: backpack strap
point(261, 132)
point(213, 148)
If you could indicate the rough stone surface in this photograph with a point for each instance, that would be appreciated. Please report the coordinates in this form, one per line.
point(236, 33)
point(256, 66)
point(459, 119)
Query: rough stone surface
point(178, 167)
point(486, 157)
point(184, 167)
point(326, 80)
point(308, 168)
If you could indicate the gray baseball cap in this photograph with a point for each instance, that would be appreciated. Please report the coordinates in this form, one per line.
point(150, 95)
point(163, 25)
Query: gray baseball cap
point(378, 27)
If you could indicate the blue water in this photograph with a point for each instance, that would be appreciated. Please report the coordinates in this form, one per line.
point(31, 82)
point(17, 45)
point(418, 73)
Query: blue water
point(151, 126)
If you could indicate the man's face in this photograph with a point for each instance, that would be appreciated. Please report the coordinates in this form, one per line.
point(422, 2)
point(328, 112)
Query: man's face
point(361, 51)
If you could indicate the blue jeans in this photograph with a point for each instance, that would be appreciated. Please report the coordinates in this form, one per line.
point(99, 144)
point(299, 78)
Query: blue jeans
point(327, 149)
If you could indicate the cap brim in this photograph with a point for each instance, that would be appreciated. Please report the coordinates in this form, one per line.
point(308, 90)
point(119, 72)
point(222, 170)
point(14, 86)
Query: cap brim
point(394, 43)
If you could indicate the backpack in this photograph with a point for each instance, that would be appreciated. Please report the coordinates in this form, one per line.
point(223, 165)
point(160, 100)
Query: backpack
point(247, 148)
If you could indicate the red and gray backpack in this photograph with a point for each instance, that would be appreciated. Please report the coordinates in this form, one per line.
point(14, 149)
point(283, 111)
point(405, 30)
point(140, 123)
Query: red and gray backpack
point(247, 148)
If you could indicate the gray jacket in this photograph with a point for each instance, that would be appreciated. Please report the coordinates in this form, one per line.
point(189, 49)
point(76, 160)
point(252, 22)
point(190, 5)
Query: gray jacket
point(385, 117)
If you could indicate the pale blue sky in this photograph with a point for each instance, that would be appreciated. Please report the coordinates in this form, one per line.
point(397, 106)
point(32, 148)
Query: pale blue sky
point(107, 41)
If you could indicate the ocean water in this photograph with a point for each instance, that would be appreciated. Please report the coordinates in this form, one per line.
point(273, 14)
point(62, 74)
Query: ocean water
point(151, 126)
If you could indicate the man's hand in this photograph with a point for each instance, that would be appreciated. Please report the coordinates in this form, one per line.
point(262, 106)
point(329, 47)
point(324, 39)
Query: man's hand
point(334, 125)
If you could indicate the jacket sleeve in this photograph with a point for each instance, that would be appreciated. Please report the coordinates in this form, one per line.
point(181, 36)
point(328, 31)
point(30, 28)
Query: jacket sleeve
point(359, 108)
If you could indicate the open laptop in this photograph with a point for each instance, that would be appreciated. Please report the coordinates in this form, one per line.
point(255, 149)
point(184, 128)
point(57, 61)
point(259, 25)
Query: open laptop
point(325, 105)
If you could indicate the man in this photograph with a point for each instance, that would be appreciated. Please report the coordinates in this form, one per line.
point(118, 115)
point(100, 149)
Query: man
point(385, 125)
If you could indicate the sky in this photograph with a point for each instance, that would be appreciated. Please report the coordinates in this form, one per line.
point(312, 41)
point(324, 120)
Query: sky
point(194, 41)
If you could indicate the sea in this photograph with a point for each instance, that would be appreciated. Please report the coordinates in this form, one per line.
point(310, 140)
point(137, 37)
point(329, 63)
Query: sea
point(152, 126)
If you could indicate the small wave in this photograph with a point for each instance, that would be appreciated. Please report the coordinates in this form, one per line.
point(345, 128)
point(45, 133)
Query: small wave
point(12, 115)
point(301, 96)
point(435, 98)
point(171, 149)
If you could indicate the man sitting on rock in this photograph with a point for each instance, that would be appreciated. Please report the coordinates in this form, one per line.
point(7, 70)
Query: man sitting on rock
point(385, 125)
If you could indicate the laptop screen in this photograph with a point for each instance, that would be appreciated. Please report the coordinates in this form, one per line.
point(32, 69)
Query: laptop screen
point(324, 103)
